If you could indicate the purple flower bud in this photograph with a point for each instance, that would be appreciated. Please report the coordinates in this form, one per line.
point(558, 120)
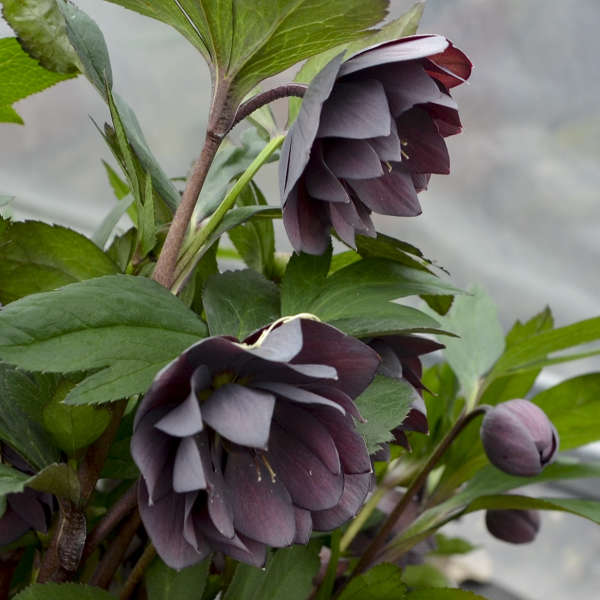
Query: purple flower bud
point(513, 526)
point(245, 445)
point(368, 136)
point(25, 510)
point(518, 438)
point(400, 359)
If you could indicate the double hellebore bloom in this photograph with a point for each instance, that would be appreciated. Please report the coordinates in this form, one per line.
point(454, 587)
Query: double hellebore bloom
point(369, 134)
point(244, 445)
point(25, 510)
point(518, 438)
point(400, 360)
point(512, 525)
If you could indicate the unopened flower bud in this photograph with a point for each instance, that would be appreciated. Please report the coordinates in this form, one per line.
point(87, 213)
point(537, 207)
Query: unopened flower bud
point(518, 438)
point(513, 526)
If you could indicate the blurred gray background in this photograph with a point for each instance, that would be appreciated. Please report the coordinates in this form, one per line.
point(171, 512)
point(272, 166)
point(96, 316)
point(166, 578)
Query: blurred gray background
point(520, 212)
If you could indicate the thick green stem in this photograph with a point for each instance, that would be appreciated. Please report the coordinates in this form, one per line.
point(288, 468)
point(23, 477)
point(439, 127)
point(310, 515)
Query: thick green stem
point(189, 257)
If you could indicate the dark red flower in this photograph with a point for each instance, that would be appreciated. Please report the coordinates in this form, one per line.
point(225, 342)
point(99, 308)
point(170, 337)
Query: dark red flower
point(368, 136)
point(244, 445)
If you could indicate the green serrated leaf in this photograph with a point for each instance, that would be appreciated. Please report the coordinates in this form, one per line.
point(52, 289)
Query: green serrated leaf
point(445, 545)
point(474, 318)
point(64, 591)
point(442, 594)
point(73, 427)
point(119, 187)
point(42, 33)
point(22, 398)
point(102, 234)
point(288, 574)
point(89, 44)
point(147, 221)
point(37, 257)
point(255, 239)
point(122, 248)
point(382, 582)
point(239, 302)
point(384, 405)
point(21, 76)
point(424, 576)
point(129, 327)
point(164, 583)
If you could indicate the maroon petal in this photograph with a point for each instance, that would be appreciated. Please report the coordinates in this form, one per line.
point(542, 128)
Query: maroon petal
point(153, 451)
point(310, 483)
point(262, 506)
point(282, 343)
point(406, 84)
point(390, 363)
point(451, 67)
point(345, 220)
point(356, 488)
point(388, 148)
point(353, 360)
point(352, 158)
point(184, 420)
point(424, 146)
point(391, 194)
point(27, 506)
point(421, 181)
point(444, 112)
point(12, 527)
point(297, 394)
point(321, 183)
point(336, 395)
point(303, 526)
point(408, 48)
point(351, 447)
point(241, 414)
point(355, 110)
point(188, 473)
point(164, 523)
point(301, 424)
point(296, 148)
point(305, 222)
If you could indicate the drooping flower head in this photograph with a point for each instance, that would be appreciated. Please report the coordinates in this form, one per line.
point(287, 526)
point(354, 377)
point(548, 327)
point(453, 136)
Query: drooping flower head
point(513, 525)
point(244, 445)
point(400, 359)
point(519, 438)
point(369, 134)
point(24, 510)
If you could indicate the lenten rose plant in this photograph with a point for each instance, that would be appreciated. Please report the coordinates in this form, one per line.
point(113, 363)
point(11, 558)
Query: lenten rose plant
point(185, 418)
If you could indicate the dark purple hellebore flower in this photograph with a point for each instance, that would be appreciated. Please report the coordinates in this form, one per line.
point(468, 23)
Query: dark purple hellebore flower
point(25, 510)
point(400, 360)
point(245, 445)
point(512, 525)
point(518, 438)
point(369, 134)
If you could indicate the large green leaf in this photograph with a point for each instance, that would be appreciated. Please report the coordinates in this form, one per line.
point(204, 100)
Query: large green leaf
point(533, 352)
point(164, 583)
point(63, 591)
point(517, 385)
point(588, 509)
point(474, 318)
point(124, 327)
point(239, 302)
point(37, 257)
point(22, 398)
point(42, 33)
point(288, 575)
point(384, 405)
point(382, 582)
point(246, 45)
point(21, 76)
point(574, 408)
point(89, 44)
